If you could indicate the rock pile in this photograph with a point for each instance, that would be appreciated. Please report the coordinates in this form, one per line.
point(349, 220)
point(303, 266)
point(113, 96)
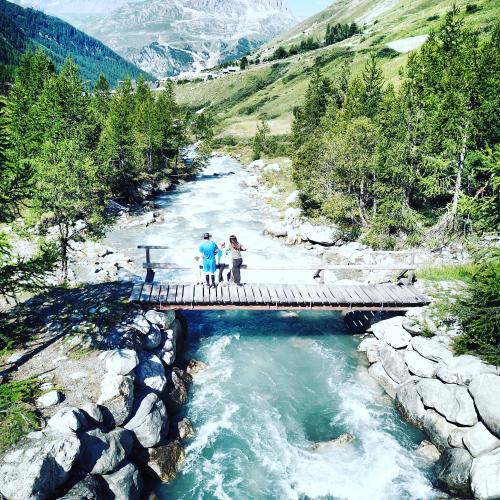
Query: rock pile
point(108, 446)
point(455, 400)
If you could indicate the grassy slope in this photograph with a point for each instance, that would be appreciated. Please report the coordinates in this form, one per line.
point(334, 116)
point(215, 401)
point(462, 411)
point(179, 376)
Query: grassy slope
point(239, 110)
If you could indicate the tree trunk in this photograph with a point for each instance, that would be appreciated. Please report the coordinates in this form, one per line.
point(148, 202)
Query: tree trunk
point(458, 180)
point(63, 240)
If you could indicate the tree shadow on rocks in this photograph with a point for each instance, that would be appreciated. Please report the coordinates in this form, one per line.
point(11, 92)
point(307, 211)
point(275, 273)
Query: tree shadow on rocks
point(91, 311)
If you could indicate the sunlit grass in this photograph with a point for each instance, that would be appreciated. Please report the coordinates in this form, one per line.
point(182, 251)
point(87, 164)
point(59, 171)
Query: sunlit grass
point(447, 272)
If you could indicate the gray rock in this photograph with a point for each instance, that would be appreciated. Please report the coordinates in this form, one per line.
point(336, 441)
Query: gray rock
point(168, 357)
point(409, 404)
point(68, 421)
point(454, 470)
point(450, 400)
point(485, 390)
point(162, 319)
point(120, 361)
point(420, 366)
point(103, 453)
point(367, 342)
point(431, 349)
point(153, 339)
point(35, 469)
point(141, 324)
point(117, 394)
point(377, 372)
point(394, 364)
point(462, 369)
point(94, 414)
point(52, 398)
point(166, 461)
point(185, 429)
point(126, 483)
point(177, 389)
point(438, 429)
point(456, 437)
point(194, 367)
point(326, 446)
point(428, 451)
point(479, 440)
point(150, 422)
point(412, 327)
point(373, 354)
point(392, 332)
point(485, 476)
point(89, 488)
point(151, 374)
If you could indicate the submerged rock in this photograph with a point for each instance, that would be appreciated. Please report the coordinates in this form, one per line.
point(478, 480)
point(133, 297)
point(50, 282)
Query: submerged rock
point(334, 443)
point(35, 469)
point(166, 461)
point(185, 429)
point(194, 367)
point(177, 389)
point(428, 451)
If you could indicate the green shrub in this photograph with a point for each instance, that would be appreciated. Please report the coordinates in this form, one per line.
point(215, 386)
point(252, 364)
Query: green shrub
point(388, 53)
point(471, 8)
point(435, 17)
point(18, 414)
point(479, 309)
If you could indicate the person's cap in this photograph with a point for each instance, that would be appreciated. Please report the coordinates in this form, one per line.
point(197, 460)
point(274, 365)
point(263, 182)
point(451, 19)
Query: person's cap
point(206, 236)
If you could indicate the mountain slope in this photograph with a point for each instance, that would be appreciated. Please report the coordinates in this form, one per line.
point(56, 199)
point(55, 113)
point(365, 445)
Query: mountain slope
point(168, 37)
point(391, 28)
point(27, 28)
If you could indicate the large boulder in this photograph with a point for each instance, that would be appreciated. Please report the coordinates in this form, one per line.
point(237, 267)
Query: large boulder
point(485, 476)
point(431, 349)
point(479, 440)
point(276, 229)
point(195, 366)
point(409, 404)
point(366, 343)
point(394, 364)
point(150, 374)
point(185, 429)
point(141, 324)
point(438, 429)
point(454, 470)
point(485, 390)
point(117, 395)
point(177, 389)
point(323, 235)
point(165, 461)
point(120, 361)
point(103, 453)
point(35, 469)
point(392, 332)
point(150, 422)
point(67, 421)
point(153, 339)
point(377, 372)
point(450, 400)
point(420, 366)
point(462, 369)
point(126, 483)
point(89, 488)
point(428, 451)
point(161, 319)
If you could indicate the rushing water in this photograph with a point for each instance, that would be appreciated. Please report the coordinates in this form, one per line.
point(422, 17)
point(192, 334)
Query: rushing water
point(276, 382)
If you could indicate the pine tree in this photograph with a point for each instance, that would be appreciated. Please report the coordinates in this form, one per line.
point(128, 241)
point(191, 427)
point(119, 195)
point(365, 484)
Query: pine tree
point(260, 141)
point(117, 146)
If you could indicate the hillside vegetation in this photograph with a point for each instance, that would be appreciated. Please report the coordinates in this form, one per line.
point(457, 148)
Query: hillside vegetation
point(271, 90)
point(22, 29)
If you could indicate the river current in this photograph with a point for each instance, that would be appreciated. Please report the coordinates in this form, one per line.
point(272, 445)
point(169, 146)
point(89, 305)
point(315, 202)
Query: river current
point(276, 382)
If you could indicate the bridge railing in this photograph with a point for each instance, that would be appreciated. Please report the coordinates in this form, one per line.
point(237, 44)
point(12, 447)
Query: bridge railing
point(404, 269)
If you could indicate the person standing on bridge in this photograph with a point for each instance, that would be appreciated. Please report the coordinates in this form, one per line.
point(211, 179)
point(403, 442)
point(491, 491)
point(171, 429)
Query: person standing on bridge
point(208, 250)
point(222, 260)
point(236, 249)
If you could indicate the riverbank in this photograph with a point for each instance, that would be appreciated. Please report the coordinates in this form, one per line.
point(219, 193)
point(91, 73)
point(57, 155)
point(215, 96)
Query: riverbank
point(265, 352)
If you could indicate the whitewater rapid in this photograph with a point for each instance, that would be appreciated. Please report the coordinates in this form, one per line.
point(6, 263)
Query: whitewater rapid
point(276, 382)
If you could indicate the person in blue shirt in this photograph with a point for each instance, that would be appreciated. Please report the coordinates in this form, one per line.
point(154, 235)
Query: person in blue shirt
point(208, 250)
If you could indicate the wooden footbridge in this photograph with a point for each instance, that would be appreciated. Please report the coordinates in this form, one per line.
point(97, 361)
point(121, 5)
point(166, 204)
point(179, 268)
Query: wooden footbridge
point(173, 295)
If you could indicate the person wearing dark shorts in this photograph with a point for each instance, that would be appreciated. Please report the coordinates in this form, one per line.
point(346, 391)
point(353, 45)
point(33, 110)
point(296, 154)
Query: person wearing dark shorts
point(208, 250)
point(236, 248)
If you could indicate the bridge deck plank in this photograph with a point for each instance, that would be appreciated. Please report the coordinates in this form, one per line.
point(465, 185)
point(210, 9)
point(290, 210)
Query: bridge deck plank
point(176, 295)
